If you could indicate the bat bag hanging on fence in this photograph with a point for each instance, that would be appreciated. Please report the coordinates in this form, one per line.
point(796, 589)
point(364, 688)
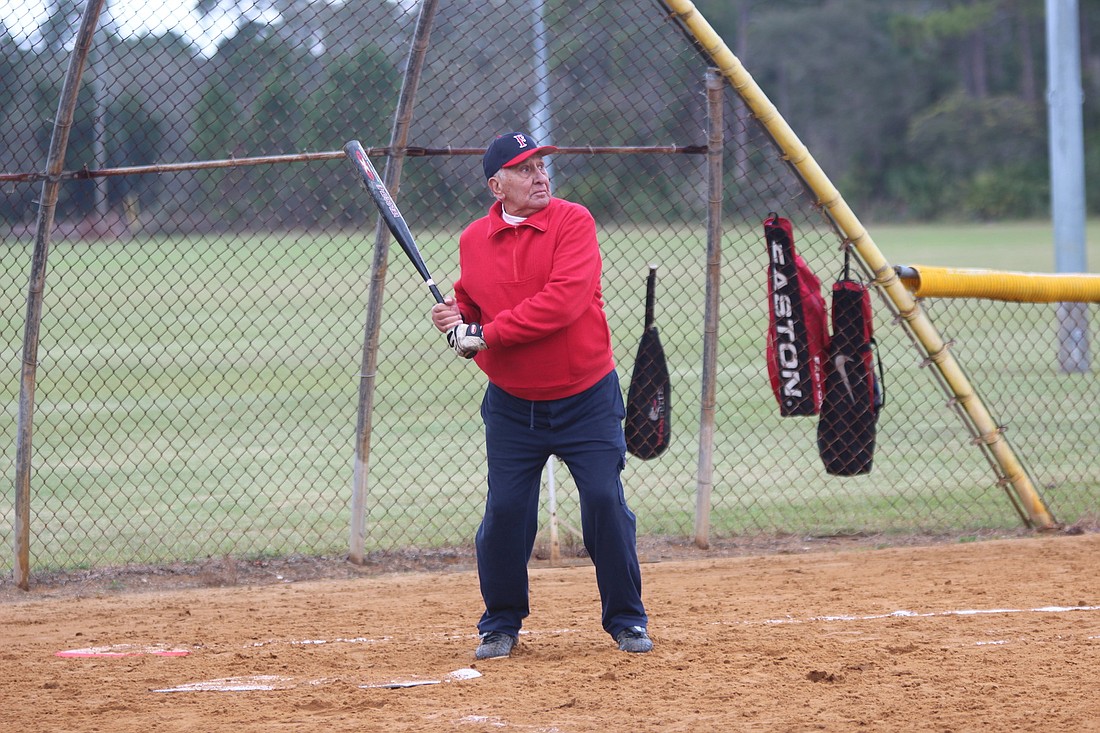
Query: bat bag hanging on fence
point(798, 330)
point(648, 430)
point(853, 396)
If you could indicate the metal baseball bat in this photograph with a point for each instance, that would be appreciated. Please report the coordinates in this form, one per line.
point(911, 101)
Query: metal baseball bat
point(371, 181)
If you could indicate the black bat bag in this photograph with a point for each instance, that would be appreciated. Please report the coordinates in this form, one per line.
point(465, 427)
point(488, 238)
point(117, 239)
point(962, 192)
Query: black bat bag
point(853, 396)
point(648, 429)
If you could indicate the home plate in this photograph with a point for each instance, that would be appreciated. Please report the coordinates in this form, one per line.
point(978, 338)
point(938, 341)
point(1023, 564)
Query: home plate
point(259, 682)
point(124, 650)
point(456, 676)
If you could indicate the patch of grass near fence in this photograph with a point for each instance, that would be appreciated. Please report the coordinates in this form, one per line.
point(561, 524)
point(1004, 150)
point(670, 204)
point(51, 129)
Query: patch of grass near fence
point(1025, 246)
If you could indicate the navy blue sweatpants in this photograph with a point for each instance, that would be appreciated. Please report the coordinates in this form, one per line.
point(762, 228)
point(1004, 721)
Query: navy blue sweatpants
point(586, 432)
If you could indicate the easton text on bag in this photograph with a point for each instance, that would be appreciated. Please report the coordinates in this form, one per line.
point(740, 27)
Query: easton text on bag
point(797, 326)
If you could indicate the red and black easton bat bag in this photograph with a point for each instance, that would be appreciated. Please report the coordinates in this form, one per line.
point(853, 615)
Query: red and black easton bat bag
point(798, 329)
point(853, 397)
point(649, 398)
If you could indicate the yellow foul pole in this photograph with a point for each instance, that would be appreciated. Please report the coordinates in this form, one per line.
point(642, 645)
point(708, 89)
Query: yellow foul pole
point(829, 198)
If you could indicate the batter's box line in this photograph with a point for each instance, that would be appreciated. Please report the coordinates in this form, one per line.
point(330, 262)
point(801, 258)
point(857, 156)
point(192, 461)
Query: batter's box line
point(383, 639)
point(270, 683)
point(112, 651)
point(914, 614)
point(317, 642)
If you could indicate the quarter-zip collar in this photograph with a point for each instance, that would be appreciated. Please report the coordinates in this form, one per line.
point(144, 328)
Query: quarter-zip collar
point(538, 220)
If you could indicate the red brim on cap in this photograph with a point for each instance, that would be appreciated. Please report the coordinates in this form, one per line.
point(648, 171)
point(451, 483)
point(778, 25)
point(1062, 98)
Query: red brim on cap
point(543, 150)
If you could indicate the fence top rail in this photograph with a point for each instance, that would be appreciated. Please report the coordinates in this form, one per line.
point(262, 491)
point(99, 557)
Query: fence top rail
point(412, 152)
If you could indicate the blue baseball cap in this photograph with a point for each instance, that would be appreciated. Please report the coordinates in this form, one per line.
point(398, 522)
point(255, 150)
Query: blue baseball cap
point(511, 148)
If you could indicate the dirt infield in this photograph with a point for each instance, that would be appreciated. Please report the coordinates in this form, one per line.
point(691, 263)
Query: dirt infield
point(993, 635)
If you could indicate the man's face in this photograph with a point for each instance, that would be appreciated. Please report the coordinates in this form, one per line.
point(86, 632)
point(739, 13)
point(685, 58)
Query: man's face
point(524, 188)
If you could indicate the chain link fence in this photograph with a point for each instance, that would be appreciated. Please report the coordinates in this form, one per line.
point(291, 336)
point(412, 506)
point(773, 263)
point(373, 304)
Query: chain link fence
point(201, 348)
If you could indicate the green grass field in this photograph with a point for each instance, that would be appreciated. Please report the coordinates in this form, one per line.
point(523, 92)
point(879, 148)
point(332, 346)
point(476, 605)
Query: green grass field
point(198, 397)
point(1022, 246)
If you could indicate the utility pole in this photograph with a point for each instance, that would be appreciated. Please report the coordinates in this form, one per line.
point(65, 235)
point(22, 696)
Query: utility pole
point(1067, 172)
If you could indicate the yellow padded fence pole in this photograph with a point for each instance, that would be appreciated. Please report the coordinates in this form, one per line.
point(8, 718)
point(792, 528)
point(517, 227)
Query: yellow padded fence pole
point(829, 198)
point(1017, 287)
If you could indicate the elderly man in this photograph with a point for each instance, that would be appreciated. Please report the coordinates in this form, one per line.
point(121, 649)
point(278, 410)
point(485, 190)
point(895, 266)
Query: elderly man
point(528, 309)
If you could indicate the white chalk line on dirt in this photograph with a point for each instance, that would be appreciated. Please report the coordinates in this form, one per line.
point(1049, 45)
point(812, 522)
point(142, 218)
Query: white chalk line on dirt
point(494, 722)
point(309, 642)
point(268, 682)
point(929, 614)
point(252, 683)
point(458, 675)
point(382, 639)
point(111, 651)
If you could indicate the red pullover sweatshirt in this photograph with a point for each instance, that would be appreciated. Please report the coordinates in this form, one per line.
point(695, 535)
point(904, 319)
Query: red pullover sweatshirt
point(535, 289)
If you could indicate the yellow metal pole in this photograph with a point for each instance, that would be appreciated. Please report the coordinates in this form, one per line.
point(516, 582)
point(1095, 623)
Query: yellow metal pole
point(829, 198)
point(1018, 287)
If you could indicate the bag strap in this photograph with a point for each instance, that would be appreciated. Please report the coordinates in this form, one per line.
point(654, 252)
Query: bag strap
point(881, 396)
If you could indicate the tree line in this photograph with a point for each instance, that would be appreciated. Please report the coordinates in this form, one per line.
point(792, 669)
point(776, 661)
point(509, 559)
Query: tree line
point(918, 110)
point(921, 110)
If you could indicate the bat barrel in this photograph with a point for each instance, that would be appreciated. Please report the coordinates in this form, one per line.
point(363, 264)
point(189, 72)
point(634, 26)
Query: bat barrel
point(389, 212)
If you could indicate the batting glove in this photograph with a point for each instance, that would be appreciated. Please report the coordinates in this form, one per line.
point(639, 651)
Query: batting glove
point(467, 339)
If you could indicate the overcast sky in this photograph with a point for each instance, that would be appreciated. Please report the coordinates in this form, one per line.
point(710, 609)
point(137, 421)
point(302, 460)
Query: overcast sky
point(135, 17)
